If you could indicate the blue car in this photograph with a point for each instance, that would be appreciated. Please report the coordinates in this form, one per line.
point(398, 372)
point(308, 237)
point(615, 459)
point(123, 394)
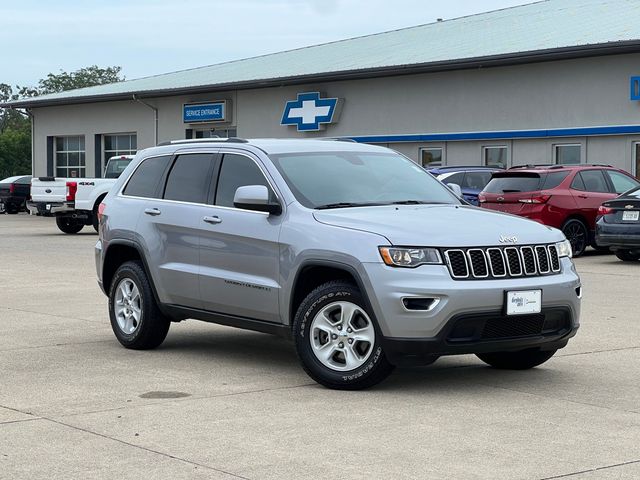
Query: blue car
point(471, 180)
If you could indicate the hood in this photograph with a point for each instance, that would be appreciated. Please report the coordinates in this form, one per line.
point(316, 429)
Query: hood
point(440, 225)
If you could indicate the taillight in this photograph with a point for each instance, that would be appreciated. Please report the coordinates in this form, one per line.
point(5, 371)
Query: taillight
point(12, 187)
point(101, 208)
point(538, 199)
point(72, 188)
point(482, 198)
point(602, 210)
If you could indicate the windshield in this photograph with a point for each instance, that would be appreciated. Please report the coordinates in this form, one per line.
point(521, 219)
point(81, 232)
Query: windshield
point(524, 182)
point(346, 179)
point(116, 166)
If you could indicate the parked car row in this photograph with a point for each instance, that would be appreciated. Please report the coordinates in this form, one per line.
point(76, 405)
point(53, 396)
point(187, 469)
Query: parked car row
point(584, 201)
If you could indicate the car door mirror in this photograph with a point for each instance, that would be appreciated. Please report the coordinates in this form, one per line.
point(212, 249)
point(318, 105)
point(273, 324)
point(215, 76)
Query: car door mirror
point(455, 188)
point(257, 198)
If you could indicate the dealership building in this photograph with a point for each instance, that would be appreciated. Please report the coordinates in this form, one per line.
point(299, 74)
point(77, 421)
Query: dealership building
point(556, 81)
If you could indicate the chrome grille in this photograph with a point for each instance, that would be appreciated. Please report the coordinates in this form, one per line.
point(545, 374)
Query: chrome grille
point(501, 262)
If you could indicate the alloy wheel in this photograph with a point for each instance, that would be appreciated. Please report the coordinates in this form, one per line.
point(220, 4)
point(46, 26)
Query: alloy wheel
point(128, 306)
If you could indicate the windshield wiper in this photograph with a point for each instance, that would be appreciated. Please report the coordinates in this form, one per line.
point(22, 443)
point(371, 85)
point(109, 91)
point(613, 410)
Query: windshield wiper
point(409, 202)
point(345, 205)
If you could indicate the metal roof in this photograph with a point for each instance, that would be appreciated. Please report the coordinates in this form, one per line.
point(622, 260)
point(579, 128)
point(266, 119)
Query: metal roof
point(545, 30)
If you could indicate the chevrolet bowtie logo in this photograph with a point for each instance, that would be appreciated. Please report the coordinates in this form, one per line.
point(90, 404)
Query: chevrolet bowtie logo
point(309, 111)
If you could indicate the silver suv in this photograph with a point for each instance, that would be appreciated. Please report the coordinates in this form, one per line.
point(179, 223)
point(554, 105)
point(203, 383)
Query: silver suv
point(361, 256)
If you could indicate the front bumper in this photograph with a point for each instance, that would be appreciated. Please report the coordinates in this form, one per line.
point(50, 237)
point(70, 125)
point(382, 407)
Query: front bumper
point(455, 299)
point(50, 209)
point(485, 332)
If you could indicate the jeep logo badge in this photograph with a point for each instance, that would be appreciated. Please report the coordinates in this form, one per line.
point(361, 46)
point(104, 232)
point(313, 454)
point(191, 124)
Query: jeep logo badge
point(512, 239)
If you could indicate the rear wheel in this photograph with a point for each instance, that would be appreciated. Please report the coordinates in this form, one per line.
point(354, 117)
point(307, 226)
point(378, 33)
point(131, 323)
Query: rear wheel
point(11, 209)
point(627, 256)
point(69, 225)
point(337, 340)
point(577, 234)
point(522, 360)
point(135, 317)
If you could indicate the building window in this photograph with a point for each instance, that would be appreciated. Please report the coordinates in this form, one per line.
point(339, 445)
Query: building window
point(70, 156)
point(431, 157)
point(120, 144)
point(567, 154)
point(636, 160)
point(214, 133)
point(495, 156)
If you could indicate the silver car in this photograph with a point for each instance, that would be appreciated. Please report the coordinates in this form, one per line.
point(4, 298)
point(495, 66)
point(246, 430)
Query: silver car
point(361, 256)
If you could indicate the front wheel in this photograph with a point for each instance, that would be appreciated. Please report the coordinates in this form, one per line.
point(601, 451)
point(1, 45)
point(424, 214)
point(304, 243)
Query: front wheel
point(577, 234)
point(337, 339)
point(627, 256)
point(11, 209)
point(522, 360)
point(69, 225)
point(135, 317)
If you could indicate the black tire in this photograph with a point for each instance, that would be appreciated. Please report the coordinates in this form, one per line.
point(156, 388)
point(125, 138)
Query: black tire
point(376, 367)
point(577, 234)
point(627, 256)
point(153, 326)
point(69, 225)
point(11, 209)
point(522, 360)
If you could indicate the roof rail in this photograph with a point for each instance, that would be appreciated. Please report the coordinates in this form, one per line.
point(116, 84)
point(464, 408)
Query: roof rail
point(532, 165)
point(338, 139)
point(450, 167)
point(204, 140)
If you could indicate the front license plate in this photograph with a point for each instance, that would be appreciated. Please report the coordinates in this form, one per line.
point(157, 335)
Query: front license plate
point(524, 301)
point(630, 216)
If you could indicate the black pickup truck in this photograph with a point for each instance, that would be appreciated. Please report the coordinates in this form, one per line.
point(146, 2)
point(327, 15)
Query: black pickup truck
point(14, 192)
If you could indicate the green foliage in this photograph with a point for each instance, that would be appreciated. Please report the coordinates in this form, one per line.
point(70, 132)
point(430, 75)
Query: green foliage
point(15, 125)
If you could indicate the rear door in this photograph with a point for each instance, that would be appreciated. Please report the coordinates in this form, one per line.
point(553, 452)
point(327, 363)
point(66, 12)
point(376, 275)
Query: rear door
point(506, 190)
point(239, 249)
point(590, 188)
point(169, 225)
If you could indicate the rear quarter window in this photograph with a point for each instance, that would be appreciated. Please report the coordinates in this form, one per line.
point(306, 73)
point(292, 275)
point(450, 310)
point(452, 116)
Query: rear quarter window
point(554, 179)
point(145, 181)
point(524, 182)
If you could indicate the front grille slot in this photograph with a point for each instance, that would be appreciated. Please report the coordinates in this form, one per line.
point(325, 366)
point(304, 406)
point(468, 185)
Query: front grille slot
point(543, 259)
point(513, 327)
point(478, 263)
point(502, 262)
point(555, 260)
point(528, 260)
point(457, 261)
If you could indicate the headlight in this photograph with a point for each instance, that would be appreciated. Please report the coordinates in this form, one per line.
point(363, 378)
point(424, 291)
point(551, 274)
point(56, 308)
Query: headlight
point(564, 248)
point(409, 256)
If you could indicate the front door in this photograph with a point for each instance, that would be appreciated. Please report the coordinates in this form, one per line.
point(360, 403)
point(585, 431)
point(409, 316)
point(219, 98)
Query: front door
point(239, 250)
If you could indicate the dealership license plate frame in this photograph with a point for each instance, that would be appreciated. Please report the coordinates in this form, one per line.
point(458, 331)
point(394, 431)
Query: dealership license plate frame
point(631, 216)
point(532, 302)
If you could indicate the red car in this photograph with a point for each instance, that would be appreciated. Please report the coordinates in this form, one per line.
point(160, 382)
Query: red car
point(562, 196)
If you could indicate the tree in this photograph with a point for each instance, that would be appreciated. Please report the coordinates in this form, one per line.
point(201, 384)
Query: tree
point(63, 81)
point(15, 125)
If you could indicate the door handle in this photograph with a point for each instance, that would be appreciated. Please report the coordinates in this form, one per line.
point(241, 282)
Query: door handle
point(152, 211)
point(213, 220)
point(583, 196)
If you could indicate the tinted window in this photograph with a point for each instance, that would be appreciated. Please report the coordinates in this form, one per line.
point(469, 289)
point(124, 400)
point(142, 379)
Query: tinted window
point(145, 180)
point(189, 178)
point(318, 179)
point(577, 183)
point(525, 182)
point(456, 178)
point(476, 180)
point(237, 171)
point(594, 181)
point(115, 167)
point(24, 181)
point(621, 182)
point(554, 179)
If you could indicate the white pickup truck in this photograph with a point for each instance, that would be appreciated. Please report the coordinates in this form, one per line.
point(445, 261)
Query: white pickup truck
point(74, 201)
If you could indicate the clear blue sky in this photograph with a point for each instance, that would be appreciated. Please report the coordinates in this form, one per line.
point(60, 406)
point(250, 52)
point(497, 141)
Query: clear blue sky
point(147, 37)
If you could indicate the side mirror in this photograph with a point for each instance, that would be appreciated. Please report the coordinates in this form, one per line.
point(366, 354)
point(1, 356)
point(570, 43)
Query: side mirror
point(455, 188)
point(256, 197)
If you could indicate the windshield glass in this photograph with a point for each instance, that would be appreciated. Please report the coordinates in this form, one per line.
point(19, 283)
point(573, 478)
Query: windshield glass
point(524, 182)
point(116, 166)
point(343, 179)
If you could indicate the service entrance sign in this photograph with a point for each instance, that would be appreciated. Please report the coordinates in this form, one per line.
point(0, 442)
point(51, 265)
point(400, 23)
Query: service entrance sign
point(204, 112)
